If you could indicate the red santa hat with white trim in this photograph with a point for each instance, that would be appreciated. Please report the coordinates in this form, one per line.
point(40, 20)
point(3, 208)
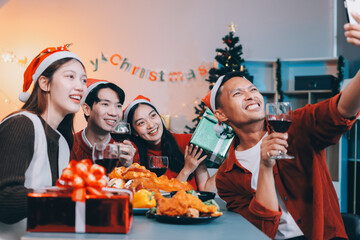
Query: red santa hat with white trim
point(40, 63)
point(92, 83)
point(137, 100)
point(209, 101)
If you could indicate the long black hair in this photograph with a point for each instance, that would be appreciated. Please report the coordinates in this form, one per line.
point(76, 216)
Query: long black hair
point(169, 146)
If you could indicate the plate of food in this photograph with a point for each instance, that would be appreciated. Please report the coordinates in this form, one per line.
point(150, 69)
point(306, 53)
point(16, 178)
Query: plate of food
point(184, 220)
point(184, 208)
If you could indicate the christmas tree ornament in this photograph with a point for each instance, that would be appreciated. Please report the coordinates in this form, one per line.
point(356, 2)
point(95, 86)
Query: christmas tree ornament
point(232, 27)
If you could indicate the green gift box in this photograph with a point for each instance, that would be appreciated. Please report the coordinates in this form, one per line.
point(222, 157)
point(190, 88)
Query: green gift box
point(214, 145)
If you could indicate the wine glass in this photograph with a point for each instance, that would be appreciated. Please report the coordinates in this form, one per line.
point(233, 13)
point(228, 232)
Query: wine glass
point(121, 132)
point(158, 164)
point(279, 116)
point(106, 155)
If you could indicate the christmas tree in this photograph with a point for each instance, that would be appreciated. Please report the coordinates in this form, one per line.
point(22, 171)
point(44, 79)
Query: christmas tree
point(229, 60)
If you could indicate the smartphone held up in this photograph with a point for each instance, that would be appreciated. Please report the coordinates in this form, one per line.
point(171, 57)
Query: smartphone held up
point(352, 6)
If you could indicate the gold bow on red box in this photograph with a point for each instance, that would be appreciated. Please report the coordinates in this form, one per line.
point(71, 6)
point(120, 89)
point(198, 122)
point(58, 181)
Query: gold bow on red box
point(84, 178)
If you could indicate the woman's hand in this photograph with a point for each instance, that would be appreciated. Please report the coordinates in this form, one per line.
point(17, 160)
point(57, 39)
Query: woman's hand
point(192, 158)
point(352, 31)
point(272, 145)
point(127, 152)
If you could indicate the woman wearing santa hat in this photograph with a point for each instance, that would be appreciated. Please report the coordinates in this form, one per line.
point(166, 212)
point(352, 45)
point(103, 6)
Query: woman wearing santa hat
point(152, 139)
point(35, 142)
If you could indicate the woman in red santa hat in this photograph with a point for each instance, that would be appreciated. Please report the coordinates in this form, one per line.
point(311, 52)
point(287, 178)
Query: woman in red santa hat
point(152, 139)
point(35, 142)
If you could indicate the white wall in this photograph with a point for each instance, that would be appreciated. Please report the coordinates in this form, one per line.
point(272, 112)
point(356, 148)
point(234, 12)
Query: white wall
point(159, 35)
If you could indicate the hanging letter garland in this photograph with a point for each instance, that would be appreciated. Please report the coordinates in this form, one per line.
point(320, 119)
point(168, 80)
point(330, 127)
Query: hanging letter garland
point(123, 63)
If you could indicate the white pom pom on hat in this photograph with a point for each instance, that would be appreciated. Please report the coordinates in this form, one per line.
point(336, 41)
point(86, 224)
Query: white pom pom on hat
point(24, 96)
point(39, 64)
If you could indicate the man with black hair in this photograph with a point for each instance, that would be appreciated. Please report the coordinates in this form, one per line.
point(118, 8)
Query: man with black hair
point(287, 198)
point(102, 110)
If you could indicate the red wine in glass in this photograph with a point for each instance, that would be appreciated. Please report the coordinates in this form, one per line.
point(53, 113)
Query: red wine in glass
point(279, 117)
point(119, 137)
point(106, 155)
point(159, 171)
point(108, 163)
point(279, 125)
point(121, 132)
point(158, 164)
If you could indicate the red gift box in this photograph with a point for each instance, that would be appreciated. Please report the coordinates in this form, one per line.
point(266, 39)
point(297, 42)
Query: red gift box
point(53, 210)
point(80, 203)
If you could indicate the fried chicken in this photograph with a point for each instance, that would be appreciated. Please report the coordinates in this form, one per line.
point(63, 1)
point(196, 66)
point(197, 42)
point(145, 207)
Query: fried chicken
point(173, 184)
point(143, 183)
point(179, 204)
point(132, 172)
point(143, 178)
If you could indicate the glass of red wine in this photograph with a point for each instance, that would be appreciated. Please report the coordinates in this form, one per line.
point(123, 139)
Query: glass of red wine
point(106, 155)
point(158, 164)
point(121, 132)
point(279, 116)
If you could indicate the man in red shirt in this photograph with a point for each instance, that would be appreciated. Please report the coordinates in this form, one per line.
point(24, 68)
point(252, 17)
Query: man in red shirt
point(102, 110)
point(289, 198)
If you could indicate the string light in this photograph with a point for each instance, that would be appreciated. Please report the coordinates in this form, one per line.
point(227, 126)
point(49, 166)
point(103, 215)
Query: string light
point(10, 57)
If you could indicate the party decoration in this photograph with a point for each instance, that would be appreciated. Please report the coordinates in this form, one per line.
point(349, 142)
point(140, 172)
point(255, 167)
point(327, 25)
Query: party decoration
point(232, 27)
point(103, 58)
point(80, 203)
point(10, 57)
point(215, 145)
point(22, 61)
point(166, 119)
point(4, 98)
point(124, 64)
point(228, 60)
point(83, 177)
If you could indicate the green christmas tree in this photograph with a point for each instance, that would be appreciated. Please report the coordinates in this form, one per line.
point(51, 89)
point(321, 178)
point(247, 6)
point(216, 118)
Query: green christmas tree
point(229, 60)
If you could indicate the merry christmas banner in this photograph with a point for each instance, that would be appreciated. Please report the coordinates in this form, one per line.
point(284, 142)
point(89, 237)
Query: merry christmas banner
point(124, 64)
